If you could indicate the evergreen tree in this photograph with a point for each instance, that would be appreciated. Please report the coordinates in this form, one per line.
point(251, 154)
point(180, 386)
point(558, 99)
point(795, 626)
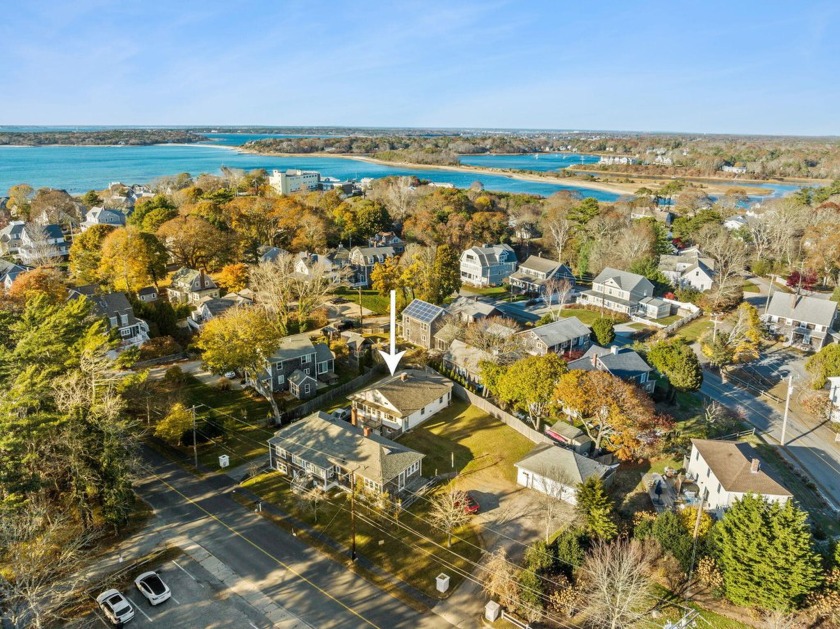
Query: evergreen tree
point(671, 533)
point(595, 508)
point(570, 549)
point(675, 360)
point(603, 329)
point(446, 273)
point(766, 554)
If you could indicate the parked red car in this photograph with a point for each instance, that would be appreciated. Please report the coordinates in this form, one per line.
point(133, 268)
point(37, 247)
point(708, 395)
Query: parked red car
point(471, 504)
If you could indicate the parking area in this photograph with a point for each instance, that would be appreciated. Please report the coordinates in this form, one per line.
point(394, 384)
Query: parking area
point(198, 600)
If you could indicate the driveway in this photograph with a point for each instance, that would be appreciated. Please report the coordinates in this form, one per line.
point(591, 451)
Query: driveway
point(509, 518)
point(197, 370)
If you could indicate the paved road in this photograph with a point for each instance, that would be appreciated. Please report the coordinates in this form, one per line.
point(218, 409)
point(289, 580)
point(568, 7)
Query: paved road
point(318, 590)
point(809, 441)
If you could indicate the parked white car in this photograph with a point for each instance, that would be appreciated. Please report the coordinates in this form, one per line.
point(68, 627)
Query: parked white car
point(115, 606)
point(152, 587)
point(230, 375)
point(341, 413)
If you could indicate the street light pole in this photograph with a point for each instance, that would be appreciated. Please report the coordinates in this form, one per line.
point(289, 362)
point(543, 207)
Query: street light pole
point(353, 517)
point(787, 408)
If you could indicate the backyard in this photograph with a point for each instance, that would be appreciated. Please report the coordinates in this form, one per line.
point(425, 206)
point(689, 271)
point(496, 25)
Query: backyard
point(694, 330)
point(471, 438)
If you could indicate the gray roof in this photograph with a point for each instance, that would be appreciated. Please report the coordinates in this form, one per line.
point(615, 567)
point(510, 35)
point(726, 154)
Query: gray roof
point(374, 254)
point(12, 231)
point(11, 270)
point(423, 311)
point(113, 304)
point(408, 390)
point(624, 364)
point(489, 255)
point(544, 265)
point(466, 356)
point(354, 338)
point(562, 465)
point(802, 308)
point(625, 280)
point(470, 307)
point(217, 306)
point(270, 254)
point(325, 441)
point(322, 353)
point(560, 331)
point(293, 347)
point(50, 231)
point(297, 377)
point(148, 290)
point(565, 429)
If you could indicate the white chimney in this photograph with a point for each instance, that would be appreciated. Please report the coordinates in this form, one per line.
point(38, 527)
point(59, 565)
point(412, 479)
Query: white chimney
point(614, 350)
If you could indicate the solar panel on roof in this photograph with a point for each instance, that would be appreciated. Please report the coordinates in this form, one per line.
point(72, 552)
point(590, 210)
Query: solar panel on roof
point(422, 311)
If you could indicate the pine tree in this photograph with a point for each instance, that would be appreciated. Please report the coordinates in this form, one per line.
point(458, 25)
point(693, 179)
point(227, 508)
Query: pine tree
point(595, 508)
point(603, 328)
point(672, 534)
point(766, 555)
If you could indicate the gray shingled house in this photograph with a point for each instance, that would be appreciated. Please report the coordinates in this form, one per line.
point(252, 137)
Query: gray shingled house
point(806, 322)
point(622, 362)
point(321, 451)
point(535, 272)
point(560, 337)
point(298, 365)
point(420, 322)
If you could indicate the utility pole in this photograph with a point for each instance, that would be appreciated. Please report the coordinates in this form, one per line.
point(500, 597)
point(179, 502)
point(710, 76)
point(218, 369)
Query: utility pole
point(353, 517)
point(787, 408)
point(769, 294)
point(195, 443)
point(696, 533)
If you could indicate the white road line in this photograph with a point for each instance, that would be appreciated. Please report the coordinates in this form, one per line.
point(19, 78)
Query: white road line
point(253, 625)
point(139, 609)
point(174, 599)
point(185, 570)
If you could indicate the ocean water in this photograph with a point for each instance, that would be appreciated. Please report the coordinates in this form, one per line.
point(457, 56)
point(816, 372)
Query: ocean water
point(78, 169)
point(543, 162)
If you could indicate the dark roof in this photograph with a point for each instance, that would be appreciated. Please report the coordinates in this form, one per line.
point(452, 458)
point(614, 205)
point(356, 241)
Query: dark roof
point(297, 377)
point(730, 462)
point(293, 347)
point(423, 311)
point(560, 331)
point(624, 279)
point(113, 304)
point(624, 364)
point(325, 441)
point(323, 353)
point(562, 465)
point(148, 290)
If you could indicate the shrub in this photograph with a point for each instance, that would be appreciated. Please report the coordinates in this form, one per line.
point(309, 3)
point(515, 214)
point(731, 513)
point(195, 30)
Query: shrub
point(159, 347)
point(174, 375)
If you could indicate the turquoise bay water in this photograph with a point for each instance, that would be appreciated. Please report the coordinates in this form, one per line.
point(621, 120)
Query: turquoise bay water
point(78, 169)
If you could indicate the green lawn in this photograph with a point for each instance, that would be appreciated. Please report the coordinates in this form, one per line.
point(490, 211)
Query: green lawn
point(416, 556)
point(749, 287)
point(694, 330)
point(372, 300)
point(491, 291)
point(476, 440)
point(669, 320)
point(674, 613)
point(242, 442)
point(585, 316)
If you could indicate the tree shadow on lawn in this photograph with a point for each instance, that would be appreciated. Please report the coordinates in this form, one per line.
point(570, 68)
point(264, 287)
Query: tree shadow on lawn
point(627, 490)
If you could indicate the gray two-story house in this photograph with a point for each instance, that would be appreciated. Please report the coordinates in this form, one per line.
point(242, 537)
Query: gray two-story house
point(363, 260)
point(622, 363)
point(803, 321)
point(487, 265)
point(621, 291)
point(421, 321)
point(298, 365)
point(559, 337)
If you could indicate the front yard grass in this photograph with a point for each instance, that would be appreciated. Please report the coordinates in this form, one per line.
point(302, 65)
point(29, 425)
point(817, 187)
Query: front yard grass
point(499, 292)
point(474, 438)
point(410, 547)
point(694, 330)
point(586, 316)
point(372, 300)
point(749, 287)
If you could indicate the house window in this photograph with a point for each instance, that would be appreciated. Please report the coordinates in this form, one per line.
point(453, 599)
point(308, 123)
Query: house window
point(370, 485)
point(124, 318)
point(708, 471)
point(322, 367)
point(306, 371)
point(423, 411)
point(280, 379)
point(697, 458)
point(297, 460)
point(281, 467)
point(113, 321)
point(306, 388)
point(281, 453)
point(125, 331)
point(718, 490)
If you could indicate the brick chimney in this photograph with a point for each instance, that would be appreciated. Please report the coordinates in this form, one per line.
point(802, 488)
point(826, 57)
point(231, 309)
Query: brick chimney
point(594, 360)
point(404, 376)
point(354, 415)
point(367, 431)
point(754, 465)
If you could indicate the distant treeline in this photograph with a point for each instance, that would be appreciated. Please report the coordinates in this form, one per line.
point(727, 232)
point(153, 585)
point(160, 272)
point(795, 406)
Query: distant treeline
point(655, 154)
point(127, 137)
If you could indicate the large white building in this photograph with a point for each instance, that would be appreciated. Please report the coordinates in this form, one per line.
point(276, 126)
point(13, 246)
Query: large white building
point(293, 180)
point(725, 471)
point(487, 265)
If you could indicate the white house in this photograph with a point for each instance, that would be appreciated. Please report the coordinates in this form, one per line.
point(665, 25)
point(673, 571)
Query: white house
point(293, 180)
point(487, 265)
point(726, 471)
point(803, 321)
point(103, 216)
point(688, 268)
point(535, 272)
point(401, 402)
point(557, 471)
point(834, 397)
point(190, 286)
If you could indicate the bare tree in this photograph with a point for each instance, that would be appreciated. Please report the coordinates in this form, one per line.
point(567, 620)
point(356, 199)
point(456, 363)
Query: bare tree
point(728, 253)
point(449, 512)
point(617, 583)
point(40, 251)
point(499, 578)
point(40, 554)
point(312, 499)
point(556, 292)
point(548, 501)
point(309, 289)
point(495, 335)
point(274, 288)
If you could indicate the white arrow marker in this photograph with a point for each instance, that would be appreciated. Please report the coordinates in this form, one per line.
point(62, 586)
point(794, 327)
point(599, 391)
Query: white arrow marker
point(392, 359)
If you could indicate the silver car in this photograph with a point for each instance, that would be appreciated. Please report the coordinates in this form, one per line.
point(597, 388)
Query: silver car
point(115, 607)
point(152, 587)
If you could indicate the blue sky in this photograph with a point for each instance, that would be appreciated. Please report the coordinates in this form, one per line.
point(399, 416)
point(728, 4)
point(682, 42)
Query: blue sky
point(729, 67)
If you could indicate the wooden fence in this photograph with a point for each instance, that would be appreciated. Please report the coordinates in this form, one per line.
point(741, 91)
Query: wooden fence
point(310, 406)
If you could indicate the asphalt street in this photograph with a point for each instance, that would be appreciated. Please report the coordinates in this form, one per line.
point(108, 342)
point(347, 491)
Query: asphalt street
point(316, 589)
